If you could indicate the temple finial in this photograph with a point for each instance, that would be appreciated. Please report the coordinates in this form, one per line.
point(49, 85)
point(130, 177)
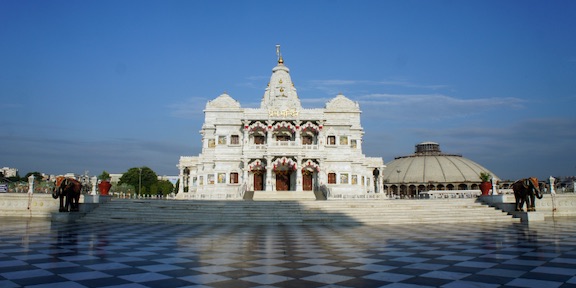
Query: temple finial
point(280, 60)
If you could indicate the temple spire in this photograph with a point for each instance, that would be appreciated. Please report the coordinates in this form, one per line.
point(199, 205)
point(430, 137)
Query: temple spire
point(279, 54)
point(280, 93)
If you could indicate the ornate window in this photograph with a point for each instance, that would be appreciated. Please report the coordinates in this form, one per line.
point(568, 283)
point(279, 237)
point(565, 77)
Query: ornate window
point(259, 139)
point(221, 140)
point(331, 140)
point(344, 178)
point(234, 140)
point(343, 140)
point(234, 178)
point(283, 137)
point(221, 178)
point(331, 178)
point(211, 143)
point(353, 144)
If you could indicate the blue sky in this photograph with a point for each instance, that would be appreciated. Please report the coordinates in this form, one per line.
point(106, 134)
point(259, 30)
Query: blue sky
point(110, 85)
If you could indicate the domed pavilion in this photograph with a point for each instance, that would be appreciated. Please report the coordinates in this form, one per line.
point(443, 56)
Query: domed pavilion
point(428, 169)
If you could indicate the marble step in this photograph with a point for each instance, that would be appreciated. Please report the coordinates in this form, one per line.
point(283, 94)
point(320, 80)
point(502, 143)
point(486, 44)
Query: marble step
point(296, 212)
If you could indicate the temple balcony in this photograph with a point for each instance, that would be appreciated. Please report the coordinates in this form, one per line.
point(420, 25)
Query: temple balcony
point(282, 148)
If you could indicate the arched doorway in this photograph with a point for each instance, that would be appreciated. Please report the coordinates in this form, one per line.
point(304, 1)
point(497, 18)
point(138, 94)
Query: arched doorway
point(283, 172)
point(376, 174)
point(309, 174)
point(412, 192)
point(259, 180)
point(258, 173)
point(283, 180)
point(307, 182)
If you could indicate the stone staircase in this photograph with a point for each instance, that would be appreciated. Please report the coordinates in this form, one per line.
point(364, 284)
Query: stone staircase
point(357, 212)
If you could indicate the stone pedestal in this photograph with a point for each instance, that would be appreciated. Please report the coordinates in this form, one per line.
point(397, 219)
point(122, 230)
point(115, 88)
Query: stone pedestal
point(284, 195)
point(527, 217)
point(92, 198)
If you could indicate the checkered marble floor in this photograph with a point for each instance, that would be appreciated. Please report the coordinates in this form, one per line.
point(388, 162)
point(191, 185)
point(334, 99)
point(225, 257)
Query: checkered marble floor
point(37, 253)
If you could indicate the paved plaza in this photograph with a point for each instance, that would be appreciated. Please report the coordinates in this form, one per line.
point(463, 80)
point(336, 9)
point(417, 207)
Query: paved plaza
point(40, 253)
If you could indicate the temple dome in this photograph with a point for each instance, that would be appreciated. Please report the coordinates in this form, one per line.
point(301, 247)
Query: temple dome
point(429, 165)
point(223, 101)
point(341, 102)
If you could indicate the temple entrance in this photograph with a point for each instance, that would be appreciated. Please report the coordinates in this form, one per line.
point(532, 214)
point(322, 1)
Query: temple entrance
point(307, 180)
point(283, 180)
point(258, 181)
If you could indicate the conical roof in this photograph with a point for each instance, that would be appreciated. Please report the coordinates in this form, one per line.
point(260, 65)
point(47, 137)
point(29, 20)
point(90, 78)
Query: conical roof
point(280, 93)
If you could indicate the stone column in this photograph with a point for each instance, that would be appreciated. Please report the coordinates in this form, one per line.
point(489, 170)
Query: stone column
point(181, 178)
point(94, 181)
point(245, 174)
point(246, 135)
point(269, 167)
point(299, 173)
point(552, 193)
point(31, 184)
point(297, 132)
point(320, 137)
point(322, 173)
point(380, 183)
point(269, 132)
point(494, 186)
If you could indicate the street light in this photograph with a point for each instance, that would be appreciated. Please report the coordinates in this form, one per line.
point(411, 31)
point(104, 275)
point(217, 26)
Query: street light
point(140, 181)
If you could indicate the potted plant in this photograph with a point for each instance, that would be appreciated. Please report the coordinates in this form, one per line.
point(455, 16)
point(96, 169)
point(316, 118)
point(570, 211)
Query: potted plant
point(485, 184)
point(104, 185)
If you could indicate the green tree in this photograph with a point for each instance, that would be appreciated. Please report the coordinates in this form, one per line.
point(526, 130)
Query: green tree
point(123, 188)
point(163, 187)
point(104, 176)
point(139, 178)
point(15, 179)
point(177, 187)
point(37, 176)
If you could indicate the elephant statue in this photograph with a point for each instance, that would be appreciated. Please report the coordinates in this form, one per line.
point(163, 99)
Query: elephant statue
point(68, 190)
point(526, 190)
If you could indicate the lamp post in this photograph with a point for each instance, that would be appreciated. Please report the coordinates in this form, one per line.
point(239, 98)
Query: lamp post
point(139, 181)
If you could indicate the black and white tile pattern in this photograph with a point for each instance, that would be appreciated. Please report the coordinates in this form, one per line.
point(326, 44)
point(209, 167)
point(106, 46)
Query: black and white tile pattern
point(37, 253)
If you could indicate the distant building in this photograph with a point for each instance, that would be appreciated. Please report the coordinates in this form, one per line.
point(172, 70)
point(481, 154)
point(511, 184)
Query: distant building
point(115, 178)
point(280, 150)
point(9, 172)
point(428, 169)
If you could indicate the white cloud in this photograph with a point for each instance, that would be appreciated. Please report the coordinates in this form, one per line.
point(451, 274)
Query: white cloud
point(433, 106)
point(191, 108)
point(329, 84)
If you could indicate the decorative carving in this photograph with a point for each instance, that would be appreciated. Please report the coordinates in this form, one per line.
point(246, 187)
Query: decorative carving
point(256, 165)
point(284, 125)
point(283, 113)
point(311, 126)
point(223, 101)
point(310, 165)
point(256, 126)
point(285, 162)
point(341, 102)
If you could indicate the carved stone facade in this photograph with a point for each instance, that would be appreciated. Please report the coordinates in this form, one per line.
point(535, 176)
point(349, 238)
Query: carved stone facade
point(280, 149)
